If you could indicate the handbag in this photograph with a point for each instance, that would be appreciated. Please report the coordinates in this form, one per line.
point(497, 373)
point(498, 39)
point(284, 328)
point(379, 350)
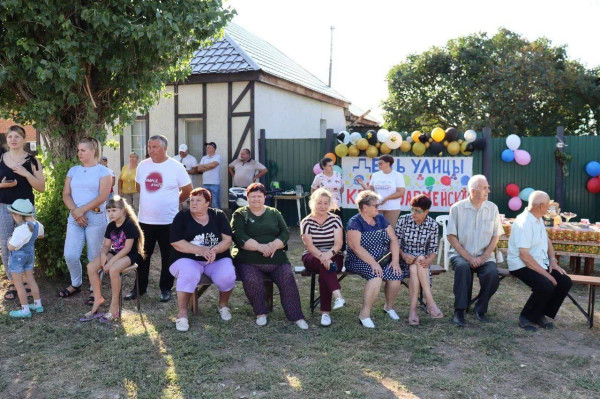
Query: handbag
point(385, 260)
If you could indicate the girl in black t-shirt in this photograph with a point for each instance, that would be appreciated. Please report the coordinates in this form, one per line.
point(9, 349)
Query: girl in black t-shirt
point(123, 246)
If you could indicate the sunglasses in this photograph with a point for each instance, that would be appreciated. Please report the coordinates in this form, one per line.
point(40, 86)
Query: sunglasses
point(417, 211)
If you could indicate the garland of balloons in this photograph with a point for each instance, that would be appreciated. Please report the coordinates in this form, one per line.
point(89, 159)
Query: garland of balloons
point(517, 196)
point(593, 170)
point(384, 142)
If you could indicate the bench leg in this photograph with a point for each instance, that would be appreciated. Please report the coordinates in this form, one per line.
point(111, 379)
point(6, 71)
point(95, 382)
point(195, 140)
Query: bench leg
point(269, 295)
point(137, 291)
point(313, 303)
point(195, 296)
point(588, 266)
point(591, 303)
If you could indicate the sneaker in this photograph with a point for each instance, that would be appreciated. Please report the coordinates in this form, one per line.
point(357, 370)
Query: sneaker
point(182, 324)
point(527, 325)
point(261, 321)
point(19, 314)
point(37, 309)
point(165, 296)
point(339, 303)
point(392, 313)
point(368, 323)
point(325, 320)
point(302, 324)
point(225, 313)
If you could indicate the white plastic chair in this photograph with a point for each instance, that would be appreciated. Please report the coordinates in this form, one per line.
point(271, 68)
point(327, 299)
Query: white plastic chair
point(444, 244)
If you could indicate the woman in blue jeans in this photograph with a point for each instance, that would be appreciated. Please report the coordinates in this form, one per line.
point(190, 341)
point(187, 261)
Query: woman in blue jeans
point(86, 189)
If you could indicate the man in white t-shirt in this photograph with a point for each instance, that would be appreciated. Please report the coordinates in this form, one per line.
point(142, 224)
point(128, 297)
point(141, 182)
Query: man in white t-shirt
point(210, 166)
point(189, 162)
point(163, 184)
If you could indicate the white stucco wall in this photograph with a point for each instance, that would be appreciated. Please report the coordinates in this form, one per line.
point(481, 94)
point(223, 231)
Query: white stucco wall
point(216, 128)
point(284, 114)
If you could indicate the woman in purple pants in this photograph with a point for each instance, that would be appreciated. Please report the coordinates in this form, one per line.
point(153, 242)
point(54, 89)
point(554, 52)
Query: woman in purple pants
point(201, 237)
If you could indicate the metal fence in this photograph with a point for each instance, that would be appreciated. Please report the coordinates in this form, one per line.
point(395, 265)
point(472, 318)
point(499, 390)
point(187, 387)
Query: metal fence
point(290, 162)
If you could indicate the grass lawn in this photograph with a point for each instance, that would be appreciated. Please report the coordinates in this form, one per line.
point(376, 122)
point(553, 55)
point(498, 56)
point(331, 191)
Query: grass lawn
point(52, 355)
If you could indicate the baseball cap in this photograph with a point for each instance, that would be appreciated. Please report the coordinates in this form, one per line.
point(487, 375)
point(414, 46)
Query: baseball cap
point(211, 143)
point(183, 148)
point(104, 158)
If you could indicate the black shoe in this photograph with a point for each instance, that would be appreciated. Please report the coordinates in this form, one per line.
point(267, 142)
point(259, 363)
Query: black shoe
point(544, 323)
point(481, 316)
point(165, 296)
point(131, 296)
point(526, 325)
point(459, 318)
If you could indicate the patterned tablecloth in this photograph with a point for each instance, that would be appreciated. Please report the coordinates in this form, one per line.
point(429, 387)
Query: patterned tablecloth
point(568, 239)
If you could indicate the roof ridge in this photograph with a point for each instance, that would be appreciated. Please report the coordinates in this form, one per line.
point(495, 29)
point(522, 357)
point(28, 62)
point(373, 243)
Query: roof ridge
point(241, 51)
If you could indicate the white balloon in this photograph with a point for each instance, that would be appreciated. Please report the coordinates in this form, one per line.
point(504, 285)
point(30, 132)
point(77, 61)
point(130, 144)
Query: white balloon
point(394, 140)
point(513, 142)
point(470, 136)
point(354, 137)
point(382, 135)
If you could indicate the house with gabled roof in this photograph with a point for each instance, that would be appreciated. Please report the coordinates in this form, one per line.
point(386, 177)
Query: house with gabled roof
point(239, 85)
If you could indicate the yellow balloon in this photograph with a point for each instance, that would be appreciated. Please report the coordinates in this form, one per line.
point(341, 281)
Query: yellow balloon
point(427, 145)
point(415, 135)
point(418, 149)
point(353, 151)
point(362, 144)
point(446, 142)
point(372, 151)
point(386, 150)
point(453, 148)
point(438, 134)
point(341, 150)
point(378, 144)
point(463, 149)
point(405, 146)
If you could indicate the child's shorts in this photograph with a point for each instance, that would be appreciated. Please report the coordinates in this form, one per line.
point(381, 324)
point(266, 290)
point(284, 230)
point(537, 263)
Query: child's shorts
point(20, 261)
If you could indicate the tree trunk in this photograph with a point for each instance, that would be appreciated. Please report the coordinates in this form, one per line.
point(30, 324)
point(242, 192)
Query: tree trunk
point(61, 147)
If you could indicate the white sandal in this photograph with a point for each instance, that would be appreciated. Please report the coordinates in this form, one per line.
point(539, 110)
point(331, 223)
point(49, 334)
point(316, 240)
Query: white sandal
point(182, 324)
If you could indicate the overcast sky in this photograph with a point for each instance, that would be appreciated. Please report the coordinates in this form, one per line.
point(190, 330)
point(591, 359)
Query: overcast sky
point(371, 36)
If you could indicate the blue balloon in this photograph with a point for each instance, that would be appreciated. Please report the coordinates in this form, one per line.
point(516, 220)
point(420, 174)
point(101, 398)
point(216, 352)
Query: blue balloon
point(464, 180)
point(525, 193)
point(508, 155)
point(593, 168)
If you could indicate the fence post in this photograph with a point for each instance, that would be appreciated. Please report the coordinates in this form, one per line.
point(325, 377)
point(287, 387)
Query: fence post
point(329, 141)
point(559, 188)
point(487, 154)
point(262, 153)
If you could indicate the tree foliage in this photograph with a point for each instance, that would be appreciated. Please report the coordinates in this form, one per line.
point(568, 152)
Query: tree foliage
point(504, 81)
point(75, 67)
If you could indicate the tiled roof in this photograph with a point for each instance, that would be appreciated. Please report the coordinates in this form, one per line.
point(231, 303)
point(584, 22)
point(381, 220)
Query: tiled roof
point(241, 51)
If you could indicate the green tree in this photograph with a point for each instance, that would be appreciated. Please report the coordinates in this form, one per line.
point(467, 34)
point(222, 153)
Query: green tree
point(504, 81)
point(77, 67)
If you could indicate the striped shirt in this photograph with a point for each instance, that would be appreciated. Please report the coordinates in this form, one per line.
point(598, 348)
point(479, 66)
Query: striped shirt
point(322, 234)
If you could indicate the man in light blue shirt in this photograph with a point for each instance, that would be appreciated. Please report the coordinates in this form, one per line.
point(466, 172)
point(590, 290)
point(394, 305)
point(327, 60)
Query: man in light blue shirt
point(531, 259)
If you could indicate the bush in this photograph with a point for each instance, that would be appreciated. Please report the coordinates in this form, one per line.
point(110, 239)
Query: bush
point(52, 213)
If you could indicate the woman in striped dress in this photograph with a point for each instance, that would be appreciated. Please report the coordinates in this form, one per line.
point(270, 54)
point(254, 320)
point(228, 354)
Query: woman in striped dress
point(322, 233)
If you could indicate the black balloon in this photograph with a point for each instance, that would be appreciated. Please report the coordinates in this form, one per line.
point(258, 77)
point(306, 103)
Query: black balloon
point(371, 137)
point(423, 138)
point(451, 134)
point(478, 144)
point(470, 147)
point(340, 137)
point(436, 148)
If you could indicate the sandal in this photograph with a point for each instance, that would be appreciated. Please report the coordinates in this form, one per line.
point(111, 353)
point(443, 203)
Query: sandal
point(89, 316)
point(90, 301)
point(11, 293)
point(108, 317)
point(413, 319)
point(435, 312)
point(66, 293)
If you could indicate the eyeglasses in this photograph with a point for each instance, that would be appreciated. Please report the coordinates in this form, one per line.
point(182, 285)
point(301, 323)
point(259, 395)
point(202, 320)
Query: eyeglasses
point(417, 211)
point(376, 206)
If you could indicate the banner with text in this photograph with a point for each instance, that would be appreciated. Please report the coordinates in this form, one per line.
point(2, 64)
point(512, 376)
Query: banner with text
point(444, 180)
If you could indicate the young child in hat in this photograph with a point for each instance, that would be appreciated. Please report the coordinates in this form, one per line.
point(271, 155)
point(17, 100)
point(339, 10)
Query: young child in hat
point(21, 256)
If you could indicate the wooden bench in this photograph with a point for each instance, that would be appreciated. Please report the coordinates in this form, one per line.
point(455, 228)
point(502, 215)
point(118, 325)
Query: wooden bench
point(591, 281)
point(314, 302)
point(206, 282)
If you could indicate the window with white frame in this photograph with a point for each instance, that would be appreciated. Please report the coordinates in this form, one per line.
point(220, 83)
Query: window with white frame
point(138, 138)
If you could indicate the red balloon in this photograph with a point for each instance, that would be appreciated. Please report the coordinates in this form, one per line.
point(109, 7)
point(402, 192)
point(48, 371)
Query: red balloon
point(512, 190)
point(593, 185)
point(446, 180)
